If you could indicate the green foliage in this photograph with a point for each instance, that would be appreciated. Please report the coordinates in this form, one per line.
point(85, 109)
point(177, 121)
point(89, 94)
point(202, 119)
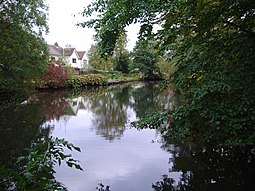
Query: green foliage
point(166, 184)
point(97, 62)
point(153, 120)
point(211, 45)
point(23, 58)
point(114, 15)
point(215, 72)
point(118, 61)
point(121, 56)
point(30, 14)
point(35, 170)
point(145, 58)
point(23, 52)
point(70, 70)
point(114, 74)
point(109, 74)
point(74, 81)
point(165, 67)
point(87, 80)
point(123, 63)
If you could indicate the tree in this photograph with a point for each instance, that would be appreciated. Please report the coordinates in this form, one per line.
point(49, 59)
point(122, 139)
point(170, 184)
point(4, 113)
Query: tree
point(145, 58)
point(212, 45)
point(123, 62)
point(23, 52)
point(121, 55)
point(119, 60)
point(97, 62)
point(215, 69)
point(30, 14)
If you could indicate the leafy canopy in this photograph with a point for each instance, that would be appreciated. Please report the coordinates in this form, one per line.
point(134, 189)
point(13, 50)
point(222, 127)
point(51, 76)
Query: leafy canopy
point(97, 62)
point(31, 14)
point(112, 16)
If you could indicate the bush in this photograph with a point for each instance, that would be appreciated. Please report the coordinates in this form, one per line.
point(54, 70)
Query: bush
point(86, 80)
point(73, 81)
point(55, 77)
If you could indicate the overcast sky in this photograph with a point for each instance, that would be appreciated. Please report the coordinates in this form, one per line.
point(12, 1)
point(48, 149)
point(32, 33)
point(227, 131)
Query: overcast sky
point(63, 17)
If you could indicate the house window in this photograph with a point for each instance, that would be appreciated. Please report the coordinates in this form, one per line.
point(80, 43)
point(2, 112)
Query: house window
point(74, 103)
point(74, 60)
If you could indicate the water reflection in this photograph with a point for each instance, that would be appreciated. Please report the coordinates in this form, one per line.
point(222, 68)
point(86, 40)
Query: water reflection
point(208, 168)
point(102, 111)
point(111, 107)
point(96, 120)
point(20, 125)
point(110, 113)
point(149, 98)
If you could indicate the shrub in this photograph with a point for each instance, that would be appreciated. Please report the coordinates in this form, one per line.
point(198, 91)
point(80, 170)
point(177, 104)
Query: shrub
point(55, 77)
point(87, 80)
point(73, 81)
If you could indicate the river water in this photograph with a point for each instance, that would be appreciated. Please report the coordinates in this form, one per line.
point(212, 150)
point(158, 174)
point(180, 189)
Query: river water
point(114, 153)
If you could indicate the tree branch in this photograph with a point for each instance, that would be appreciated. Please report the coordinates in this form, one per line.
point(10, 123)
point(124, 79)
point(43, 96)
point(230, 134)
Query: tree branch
point(240, 28)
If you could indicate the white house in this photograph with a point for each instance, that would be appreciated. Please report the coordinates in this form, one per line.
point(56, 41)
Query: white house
point(70, 56)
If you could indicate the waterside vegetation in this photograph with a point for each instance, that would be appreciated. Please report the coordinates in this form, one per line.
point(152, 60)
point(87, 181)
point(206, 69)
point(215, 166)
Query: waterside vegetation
point(210, 47)
point(59, 77)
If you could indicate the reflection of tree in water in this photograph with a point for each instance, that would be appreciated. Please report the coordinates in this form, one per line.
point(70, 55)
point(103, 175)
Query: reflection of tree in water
point(108, 104)
point(110, 109)
point(20, 125)
point(148, 98)
point(24, 140)
point(54, 104)
point(207, 168)
point(63, 104)
point(110, 112)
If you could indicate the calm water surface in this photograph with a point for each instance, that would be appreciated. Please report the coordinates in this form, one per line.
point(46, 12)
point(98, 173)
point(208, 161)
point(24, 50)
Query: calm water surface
point(113, 153)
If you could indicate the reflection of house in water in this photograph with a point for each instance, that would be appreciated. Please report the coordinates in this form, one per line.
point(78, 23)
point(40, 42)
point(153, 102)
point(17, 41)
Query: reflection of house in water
point(138, 85)
point(77, 104)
